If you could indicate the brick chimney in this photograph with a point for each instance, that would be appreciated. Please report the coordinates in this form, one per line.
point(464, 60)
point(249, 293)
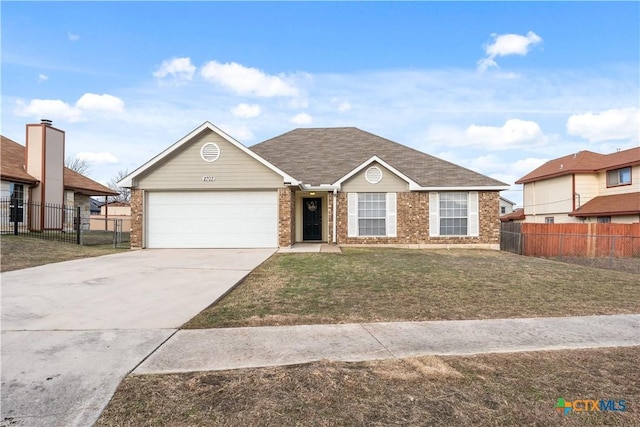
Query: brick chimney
point(45, 162)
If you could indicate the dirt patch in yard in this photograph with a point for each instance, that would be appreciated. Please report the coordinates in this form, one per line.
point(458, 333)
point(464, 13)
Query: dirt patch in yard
point(496, 389)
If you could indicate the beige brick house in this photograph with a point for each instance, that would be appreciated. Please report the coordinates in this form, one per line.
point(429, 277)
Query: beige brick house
point(335, 185)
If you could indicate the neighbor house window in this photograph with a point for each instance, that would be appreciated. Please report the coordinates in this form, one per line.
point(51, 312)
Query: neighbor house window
point(17, 200)
point(503, 210)
point(453, 214)
point(619, 177)
point(604, 220)
point(372, 214)
point(548, 220)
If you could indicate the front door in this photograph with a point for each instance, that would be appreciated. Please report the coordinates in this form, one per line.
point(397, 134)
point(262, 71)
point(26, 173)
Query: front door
point(311, 219)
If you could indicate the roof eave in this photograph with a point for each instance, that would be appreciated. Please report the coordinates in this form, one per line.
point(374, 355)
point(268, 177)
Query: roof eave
point(525, 180)
point(89, 192)
point(597, 214)
point(19, 179)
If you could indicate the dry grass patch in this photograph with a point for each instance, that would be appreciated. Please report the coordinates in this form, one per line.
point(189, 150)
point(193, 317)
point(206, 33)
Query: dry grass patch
point(371, 285)
point(499, 389)
point(20, 252)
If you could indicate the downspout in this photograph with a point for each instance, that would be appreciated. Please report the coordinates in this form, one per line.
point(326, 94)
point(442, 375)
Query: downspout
point(335, 215)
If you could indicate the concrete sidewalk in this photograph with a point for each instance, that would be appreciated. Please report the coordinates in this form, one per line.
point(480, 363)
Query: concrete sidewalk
point(232, 348)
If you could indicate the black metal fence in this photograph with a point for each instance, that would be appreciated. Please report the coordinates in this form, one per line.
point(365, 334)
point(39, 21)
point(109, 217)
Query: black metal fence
point(44, 221)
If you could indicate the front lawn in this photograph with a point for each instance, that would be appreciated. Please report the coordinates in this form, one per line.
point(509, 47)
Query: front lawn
point(384, 284)
point(490, 390)
point(23, 252)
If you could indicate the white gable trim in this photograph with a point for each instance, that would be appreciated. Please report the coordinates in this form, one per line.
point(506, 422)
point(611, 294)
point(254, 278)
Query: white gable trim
point(414, 186)
point(373, 159)
point(129, 180)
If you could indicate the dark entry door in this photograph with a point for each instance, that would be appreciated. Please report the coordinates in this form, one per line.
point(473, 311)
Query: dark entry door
point(312, 219)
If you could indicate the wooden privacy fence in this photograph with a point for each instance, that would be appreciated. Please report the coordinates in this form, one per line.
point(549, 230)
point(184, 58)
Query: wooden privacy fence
point(571, 240)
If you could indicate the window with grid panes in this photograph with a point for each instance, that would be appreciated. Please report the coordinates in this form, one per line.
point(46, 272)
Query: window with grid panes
point(453, 214)
point(372, 214)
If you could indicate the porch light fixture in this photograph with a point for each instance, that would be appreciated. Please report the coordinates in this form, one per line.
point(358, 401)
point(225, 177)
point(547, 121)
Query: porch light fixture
point(312, 193)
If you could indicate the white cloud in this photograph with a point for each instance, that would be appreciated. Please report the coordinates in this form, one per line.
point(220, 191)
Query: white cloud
point(104, 102)
point(301, 119)
point(515, 133)
point(512, 134)
point(614, 124)
point(246, 111)
point(58, 109)
point(73, 37)
point(507, 44)
point(98, 158)
point(49, 109)
point(42, 77)
point(179, 68)
point(247, 81)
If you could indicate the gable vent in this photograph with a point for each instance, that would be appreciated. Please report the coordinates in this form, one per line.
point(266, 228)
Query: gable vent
point(373, 175)
point(210, 152)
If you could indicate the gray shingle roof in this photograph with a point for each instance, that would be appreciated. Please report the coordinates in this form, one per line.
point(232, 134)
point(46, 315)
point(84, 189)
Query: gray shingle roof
point(324, 155)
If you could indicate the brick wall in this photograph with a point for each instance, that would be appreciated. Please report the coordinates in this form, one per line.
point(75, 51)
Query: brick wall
point(286, 217)
point(413, 222)
point(137, 196)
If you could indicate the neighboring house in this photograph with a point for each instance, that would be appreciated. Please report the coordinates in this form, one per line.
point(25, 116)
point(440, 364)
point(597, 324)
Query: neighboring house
point(337, 185)
point(36, 175)
point(115, 209)
point(108, 212)
point(584, 187)
point(516, 216)
point(94, 206)
point(506, 206)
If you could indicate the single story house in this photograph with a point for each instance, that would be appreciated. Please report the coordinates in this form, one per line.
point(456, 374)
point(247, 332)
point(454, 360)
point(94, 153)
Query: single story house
point(336, 185)
point(35, 175)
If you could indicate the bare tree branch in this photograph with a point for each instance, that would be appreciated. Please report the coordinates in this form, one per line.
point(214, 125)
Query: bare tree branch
point(80, 166)
point(124, 195)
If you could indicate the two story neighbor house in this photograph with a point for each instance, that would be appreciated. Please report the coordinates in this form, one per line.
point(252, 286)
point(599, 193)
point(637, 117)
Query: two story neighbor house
point(584, 187)
point(335, 185)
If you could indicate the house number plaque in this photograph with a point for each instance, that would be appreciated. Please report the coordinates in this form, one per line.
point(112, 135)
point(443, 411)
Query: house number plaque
point(208, 178)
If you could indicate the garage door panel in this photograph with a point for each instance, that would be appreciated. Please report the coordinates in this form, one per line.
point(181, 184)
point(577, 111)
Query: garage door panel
point(212, 219)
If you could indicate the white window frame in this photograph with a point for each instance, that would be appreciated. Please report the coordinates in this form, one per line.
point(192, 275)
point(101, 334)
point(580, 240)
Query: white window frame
point(473, 226)
point(353, 228)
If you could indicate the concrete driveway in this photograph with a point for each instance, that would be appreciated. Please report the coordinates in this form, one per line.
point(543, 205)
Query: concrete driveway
point(72, 331)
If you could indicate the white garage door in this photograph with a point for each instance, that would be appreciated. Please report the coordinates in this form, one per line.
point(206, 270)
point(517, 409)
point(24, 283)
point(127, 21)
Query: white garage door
point(220, 219)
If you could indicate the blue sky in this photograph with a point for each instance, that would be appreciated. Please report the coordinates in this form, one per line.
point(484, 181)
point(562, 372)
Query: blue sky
point(498, 87)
